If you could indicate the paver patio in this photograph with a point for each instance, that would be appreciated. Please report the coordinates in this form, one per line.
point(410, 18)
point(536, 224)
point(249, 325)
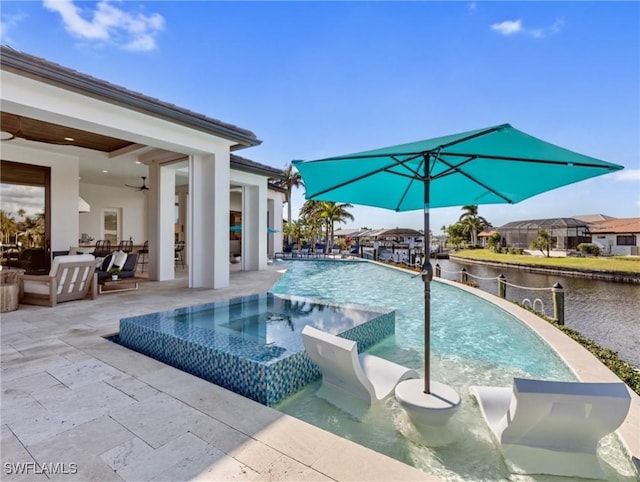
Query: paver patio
point(70, 397)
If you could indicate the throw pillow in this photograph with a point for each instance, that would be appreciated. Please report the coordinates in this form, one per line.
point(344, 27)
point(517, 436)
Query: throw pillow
point(107, 262)
point(119, 258)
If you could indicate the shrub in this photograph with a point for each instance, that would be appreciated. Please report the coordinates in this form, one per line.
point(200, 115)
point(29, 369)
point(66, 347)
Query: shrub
point(623, 370)
point(340, 243)
point(589, 249)
point(493, 242)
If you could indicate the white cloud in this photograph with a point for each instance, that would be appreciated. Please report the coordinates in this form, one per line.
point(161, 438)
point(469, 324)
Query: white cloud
point(472, 7)
point(508, 27)
point(108, 23)
point(511, 27)
point(627, 175)
point(8, 23)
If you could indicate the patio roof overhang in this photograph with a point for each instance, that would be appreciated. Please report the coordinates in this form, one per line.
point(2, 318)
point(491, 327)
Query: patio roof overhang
point(53, 74)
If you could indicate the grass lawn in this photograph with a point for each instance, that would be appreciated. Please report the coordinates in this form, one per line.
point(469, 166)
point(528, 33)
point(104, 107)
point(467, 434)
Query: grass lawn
point(624, 264)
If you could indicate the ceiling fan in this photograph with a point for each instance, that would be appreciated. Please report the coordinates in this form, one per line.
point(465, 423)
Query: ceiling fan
point(144, 186)
point(17, 127)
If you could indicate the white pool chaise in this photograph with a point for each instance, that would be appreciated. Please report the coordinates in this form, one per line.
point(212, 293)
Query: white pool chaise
point(350, 381)
point(550, 427)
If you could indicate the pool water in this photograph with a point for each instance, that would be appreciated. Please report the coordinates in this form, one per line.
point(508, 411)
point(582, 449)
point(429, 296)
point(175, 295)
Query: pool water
point(473, 342)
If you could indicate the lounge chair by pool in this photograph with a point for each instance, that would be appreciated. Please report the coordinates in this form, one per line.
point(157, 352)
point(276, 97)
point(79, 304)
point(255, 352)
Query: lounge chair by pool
point(550, 427)
point(351, 381)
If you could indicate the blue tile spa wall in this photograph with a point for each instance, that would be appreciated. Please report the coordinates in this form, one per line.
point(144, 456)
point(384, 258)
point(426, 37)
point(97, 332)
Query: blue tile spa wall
point(265, 373)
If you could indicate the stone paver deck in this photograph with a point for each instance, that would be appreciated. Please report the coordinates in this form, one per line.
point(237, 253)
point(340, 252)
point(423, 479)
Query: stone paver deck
point(72, 398)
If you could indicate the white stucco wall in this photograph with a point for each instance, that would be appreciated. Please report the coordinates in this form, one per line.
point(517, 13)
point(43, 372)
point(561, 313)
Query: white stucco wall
point(274, 204)
point(607, 243)
point(133, 206)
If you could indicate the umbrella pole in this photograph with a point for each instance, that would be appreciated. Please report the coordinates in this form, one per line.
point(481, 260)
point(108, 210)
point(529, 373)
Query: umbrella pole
point(427, 275)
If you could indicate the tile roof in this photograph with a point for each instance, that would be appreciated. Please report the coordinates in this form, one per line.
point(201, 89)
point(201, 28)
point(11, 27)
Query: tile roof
point(617, 226)
point(49, 72)
point(248, 165)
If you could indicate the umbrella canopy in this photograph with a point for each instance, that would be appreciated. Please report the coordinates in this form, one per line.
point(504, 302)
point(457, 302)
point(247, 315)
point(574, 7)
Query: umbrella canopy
point(494, 165)
point(238, 227)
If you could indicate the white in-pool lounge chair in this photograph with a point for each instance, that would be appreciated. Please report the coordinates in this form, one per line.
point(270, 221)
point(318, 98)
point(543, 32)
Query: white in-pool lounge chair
point(549, 427)
point(351, 381)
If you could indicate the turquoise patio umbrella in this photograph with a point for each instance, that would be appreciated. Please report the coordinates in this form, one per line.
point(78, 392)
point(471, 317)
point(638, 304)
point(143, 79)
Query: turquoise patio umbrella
point(494, 165)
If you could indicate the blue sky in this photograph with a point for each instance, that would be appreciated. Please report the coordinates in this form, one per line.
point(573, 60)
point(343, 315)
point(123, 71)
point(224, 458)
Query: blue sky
point(315, 79)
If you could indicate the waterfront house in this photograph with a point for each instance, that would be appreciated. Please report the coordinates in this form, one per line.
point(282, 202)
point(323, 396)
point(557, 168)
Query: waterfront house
point(617, 236)
point(108, 163)
point(566, 233)
point(484, 235)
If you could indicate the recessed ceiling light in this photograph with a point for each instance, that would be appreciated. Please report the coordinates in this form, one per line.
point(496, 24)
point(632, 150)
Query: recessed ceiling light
point(138, 162)
point(70, 139)
point(104, 171)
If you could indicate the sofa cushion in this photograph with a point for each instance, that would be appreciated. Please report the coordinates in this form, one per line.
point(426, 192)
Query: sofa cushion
point(130, 264)
point(72, 258)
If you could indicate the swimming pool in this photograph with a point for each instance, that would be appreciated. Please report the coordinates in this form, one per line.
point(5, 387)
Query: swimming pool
point(472, 343)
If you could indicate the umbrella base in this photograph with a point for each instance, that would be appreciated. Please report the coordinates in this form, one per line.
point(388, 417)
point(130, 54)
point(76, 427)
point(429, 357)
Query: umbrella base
point(433, 409)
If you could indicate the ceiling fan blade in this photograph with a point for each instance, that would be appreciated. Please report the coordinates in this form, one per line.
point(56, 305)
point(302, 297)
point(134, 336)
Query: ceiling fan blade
point(144, 186)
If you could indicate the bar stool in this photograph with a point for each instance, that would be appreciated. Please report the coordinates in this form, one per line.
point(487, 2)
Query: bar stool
point(126, 246)
point(143, 256)
point(178, 253)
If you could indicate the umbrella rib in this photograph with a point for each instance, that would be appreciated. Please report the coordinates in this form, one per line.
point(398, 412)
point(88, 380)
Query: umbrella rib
point(491, 130)
point(356, 179)
point(412, 179)
point(471, 178)
point(534, 161)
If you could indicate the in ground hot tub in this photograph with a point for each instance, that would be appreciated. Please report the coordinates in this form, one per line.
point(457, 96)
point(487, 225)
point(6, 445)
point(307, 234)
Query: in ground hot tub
point(251, 345)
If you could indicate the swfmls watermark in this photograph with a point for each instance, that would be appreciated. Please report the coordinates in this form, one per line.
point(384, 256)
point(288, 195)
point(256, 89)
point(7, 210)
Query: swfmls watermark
point(31, 468)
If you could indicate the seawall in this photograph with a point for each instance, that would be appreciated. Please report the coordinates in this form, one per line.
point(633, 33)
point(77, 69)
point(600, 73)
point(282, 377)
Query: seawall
point(615, 276)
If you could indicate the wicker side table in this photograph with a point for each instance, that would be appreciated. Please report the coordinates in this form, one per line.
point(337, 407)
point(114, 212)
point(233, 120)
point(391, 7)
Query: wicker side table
point(9, 289)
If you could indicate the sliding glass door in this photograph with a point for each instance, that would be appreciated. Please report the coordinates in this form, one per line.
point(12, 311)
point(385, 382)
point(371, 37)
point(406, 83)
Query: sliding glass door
point(25, 216)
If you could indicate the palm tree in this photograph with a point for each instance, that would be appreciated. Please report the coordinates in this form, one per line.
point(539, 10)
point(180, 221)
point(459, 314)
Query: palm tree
point(310, 213)
point(471, 223)
point(327, 213)
point(291, 178)
point(542, 242)
point(8, 226)
point(294, 230)
point(335, 213)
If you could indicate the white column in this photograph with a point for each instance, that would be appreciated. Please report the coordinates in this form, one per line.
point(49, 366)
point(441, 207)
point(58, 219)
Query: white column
point(182, 221)
point(275, 213)
point(270, 224)
point(208, 220)
point(254, 228)
point(161, 198)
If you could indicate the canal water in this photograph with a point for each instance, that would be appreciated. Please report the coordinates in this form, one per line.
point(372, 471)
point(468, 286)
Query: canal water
point(606, 312)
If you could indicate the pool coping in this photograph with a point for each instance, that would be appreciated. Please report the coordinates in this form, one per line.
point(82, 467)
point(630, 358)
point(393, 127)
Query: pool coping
point(584, 365)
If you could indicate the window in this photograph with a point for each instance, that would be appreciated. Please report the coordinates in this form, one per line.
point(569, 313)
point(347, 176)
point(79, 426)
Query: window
point(25, 216)
point(626, 240)
point(111, 225)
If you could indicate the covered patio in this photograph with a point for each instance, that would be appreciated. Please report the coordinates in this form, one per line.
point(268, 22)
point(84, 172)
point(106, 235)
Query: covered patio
point(143, 170)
